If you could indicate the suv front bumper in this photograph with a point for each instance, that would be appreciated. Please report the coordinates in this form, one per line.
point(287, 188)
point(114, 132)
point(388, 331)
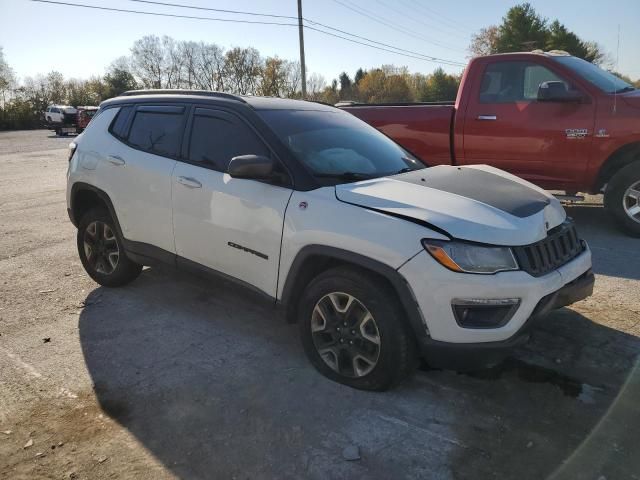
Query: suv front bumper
point(446, 344)
point(465, 356)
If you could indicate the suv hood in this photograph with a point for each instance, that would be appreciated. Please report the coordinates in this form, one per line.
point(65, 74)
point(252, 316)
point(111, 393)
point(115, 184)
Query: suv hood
point(476, 203)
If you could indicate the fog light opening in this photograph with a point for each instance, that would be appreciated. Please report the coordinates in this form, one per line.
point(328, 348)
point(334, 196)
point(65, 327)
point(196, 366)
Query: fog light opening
point(484, 312)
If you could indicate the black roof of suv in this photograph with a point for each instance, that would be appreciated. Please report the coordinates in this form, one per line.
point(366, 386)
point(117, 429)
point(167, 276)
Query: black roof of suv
point(255, 102)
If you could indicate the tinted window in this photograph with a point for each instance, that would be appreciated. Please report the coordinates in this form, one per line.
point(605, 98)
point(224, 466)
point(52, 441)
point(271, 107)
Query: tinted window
point(218, 137)
point(157, 132)
point(506, 82)
point(119, 125)
point(338, 147)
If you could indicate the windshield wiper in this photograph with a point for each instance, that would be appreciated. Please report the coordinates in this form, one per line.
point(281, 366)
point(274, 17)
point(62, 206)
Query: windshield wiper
point(628, 88)
point(348, 176)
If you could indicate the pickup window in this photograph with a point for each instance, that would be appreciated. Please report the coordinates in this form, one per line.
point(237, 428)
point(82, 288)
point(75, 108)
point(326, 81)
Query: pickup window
point(507, 82)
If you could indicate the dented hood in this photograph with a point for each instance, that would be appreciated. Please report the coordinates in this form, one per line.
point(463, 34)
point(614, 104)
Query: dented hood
point(476, 203)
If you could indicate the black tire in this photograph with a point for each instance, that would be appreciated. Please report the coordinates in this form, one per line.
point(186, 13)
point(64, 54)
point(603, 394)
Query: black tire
point(103, 266)
point(615, 198)
point(396, 350)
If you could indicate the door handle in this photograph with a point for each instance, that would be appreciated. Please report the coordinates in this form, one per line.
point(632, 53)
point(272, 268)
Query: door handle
point(116, 160)
point(189, 182)
point(487, 117)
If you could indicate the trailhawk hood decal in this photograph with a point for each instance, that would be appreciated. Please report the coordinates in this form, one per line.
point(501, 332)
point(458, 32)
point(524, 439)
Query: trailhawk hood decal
point(476, 203)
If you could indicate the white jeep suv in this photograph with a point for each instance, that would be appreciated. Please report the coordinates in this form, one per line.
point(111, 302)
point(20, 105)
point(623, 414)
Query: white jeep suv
point(377, 258)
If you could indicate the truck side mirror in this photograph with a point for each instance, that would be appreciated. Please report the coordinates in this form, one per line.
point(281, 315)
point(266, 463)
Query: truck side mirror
point(256, 167)
point(556, 91)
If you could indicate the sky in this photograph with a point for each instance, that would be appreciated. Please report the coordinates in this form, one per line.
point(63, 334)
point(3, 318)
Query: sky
point(81, 42)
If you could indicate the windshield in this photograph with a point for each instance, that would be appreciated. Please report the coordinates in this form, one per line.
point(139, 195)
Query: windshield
point(602, 79)
point(337, 147)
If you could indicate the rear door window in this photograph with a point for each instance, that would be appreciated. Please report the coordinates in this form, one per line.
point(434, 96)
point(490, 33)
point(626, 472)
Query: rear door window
point(217, 137)
point(157, 129)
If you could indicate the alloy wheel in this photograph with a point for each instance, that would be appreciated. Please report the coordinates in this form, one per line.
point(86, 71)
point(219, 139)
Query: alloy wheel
point(345, 334)
point(101, 247)
point(631, 202)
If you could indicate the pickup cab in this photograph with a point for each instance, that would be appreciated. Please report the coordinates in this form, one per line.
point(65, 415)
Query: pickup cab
point(553, 119)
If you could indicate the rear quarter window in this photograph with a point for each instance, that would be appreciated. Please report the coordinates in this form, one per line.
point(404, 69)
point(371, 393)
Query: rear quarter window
point(119, 126)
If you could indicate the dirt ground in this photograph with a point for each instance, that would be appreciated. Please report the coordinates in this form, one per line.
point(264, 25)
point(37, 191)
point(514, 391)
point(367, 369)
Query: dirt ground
point(176, 377)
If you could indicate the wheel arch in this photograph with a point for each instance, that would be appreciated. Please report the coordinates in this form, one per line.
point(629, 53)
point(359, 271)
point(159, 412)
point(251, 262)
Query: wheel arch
point(311, 260)
point(619, 159)
point(85, 197)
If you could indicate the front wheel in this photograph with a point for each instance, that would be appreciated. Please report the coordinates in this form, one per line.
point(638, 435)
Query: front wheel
point(622, 198)
point(101, 250)
point(353, 331)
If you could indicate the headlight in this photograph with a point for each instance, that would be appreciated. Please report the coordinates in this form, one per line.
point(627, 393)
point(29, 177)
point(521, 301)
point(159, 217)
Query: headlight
point(470, 258)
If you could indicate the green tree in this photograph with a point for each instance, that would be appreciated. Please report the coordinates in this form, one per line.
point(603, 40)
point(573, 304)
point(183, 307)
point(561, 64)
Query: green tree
point(439, 86)
point(346, 87)
point(522, 29)
point(118, 79)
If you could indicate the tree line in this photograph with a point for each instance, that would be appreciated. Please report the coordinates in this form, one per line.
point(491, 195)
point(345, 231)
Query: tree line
point(163, 62)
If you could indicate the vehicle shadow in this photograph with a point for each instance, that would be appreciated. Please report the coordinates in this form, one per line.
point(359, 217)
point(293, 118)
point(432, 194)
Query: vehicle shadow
point(615, 254)
point(216, 385)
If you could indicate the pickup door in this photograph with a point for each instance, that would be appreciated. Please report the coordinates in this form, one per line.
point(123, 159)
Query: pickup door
point(504, 125)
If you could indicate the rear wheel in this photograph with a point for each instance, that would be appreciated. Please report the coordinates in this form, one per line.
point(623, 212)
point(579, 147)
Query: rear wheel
point(622, 198)
point(101, 250)
point(353, 332)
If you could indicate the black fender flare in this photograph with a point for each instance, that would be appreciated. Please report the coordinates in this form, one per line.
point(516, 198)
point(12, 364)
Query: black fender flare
point(293, 286)
point(101, 194)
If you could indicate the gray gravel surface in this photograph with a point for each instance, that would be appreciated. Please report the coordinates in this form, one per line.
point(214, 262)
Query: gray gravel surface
point(179, 377)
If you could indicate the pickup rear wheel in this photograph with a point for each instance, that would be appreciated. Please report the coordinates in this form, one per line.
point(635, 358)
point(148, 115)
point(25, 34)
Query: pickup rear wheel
point(622, 198)
point(101, 250)
point(353, 332)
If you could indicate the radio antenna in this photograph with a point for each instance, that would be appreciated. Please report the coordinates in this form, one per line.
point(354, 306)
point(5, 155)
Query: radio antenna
point(615, 92)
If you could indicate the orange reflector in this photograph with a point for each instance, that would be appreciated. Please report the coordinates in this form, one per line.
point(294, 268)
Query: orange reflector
point(441, 256)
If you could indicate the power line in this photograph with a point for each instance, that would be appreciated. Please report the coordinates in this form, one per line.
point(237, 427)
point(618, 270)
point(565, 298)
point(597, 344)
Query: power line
point(239, 12)
point(157, 14)
point(453, 32)
point(426, 57)
point(193, 7)
point(392, 25)
point(431, 59)
point(397, 50)
point(443, 18)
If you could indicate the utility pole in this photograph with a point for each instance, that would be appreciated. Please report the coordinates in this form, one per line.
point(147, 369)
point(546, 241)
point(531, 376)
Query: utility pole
point(301, 35)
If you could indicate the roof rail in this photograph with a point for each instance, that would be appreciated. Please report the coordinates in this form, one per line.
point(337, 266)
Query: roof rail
point(181, 91)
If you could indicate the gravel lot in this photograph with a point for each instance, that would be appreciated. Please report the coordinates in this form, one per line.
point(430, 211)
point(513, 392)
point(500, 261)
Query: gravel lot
point(175, 377)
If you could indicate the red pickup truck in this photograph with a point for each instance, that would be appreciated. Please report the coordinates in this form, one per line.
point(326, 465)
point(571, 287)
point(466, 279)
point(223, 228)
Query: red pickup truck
point(551, 118)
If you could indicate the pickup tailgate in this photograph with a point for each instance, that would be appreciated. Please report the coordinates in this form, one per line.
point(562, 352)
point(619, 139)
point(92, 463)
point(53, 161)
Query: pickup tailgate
point(424, 130)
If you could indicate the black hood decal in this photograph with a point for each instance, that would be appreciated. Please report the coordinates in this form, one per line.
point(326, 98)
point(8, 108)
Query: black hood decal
point(486, 187)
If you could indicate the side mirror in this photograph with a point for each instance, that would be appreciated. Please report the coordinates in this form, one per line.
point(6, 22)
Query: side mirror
point(256, 167)
point(556, 91)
